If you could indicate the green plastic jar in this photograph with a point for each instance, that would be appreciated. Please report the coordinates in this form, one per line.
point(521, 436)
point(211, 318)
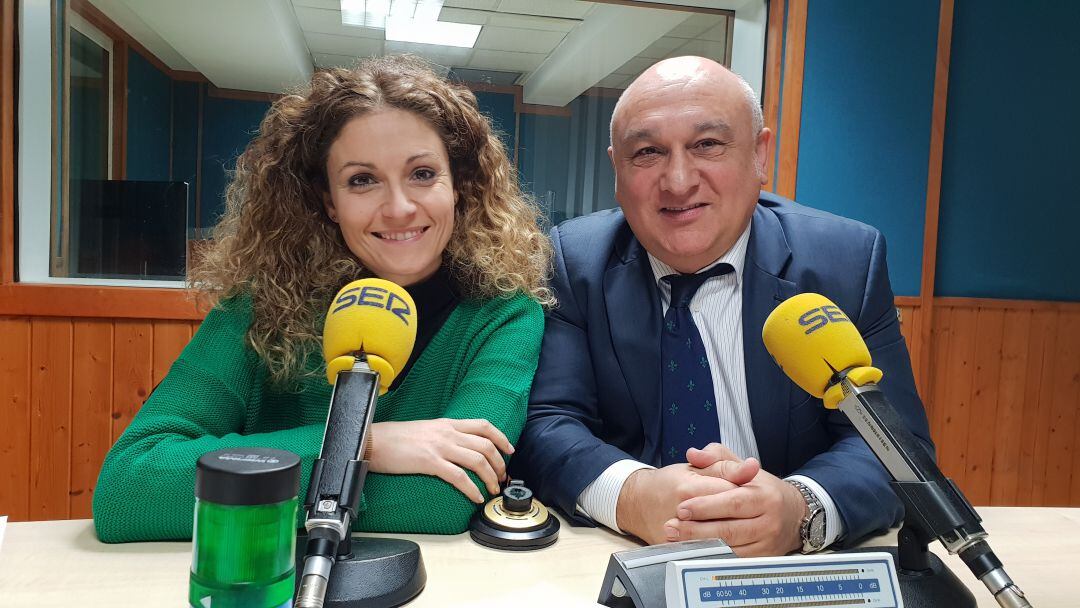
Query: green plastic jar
point(244, 543)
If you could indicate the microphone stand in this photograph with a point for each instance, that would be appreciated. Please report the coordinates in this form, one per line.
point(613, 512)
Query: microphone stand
point(925, 581)
point(339, 571)
point(933, 508)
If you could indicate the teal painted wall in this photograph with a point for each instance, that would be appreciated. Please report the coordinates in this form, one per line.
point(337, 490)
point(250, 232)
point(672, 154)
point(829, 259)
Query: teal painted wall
point(1010, 196)
point(149, 116)
point(543, 162)
point(185, 121)
point(1010, 193)
point(499, 108)
point(864, 139)
point(163, 136)
point(563, 160)
point(228, 127)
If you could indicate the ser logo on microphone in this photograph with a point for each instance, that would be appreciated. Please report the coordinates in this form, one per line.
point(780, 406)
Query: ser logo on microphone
point(374, 296)
point(819, 317)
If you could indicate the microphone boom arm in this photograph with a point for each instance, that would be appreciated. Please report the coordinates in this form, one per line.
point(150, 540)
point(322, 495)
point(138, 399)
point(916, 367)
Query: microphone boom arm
point(934, 507)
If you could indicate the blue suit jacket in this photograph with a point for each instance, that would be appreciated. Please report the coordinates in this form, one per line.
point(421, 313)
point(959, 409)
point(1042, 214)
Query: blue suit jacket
point(596, 396)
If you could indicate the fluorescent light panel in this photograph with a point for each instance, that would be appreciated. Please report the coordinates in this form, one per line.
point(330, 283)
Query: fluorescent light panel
point(409, 21)
point(365, 13)
point(374, 13)
point(432, 32)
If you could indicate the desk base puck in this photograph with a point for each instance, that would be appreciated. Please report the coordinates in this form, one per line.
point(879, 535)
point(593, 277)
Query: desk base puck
point(514, 521)
point(489, 535)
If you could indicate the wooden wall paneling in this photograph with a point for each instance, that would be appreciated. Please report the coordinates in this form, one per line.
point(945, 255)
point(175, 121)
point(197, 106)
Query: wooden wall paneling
point(907, 301)
point(85, 301)
point(770, 97)
point(936, 405)
point(7, 141)
point(905, 313)
point(982, 421)
point(15, 414)
point(170, 337)
point(50, 423)
point(1043, 339)
point(920, 347)
point(1012, 401)
point(1002, 401)
point(959, 372)
point(132, 371)
point(791, 102)
point(933, 181)
point(911, 327)
point(1064, 386)
point(91, 406)
point(916, 347)
point(1074, 494)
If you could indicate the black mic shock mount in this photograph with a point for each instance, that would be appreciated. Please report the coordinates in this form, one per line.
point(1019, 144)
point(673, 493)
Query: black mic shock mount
point(934, 508)
point(336, 572)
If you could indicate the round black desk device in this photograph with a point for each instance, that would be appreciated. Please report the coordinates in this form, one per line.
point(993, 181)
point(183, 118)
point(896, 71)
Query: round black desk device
point(514, 521)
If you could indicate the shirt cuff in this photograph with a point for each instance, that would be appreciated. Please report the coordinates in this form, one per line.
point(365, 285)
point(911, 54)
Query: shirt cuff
point(834, 526)
point(600, 498)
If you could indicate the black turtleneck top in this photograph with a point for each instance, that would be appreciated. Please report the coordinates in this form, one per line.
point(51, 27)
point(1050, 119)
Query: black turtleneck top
point(435, 298)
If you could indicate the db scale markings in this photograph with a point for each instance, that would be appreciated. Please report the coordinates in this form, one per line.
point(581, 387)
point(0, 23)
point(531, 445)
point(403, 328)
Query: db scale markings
point(789, 589)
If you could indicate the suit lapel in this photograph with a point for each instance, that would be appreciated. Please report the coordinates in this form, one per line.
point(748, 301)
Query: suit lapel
point(767, 388)
point(634, 323)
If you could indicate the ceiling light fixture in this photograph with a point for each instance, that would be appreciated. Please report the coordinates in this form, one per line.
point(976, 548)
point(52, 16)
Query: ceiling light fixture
point(409, 21)
point(432, 32)
point(365, 13)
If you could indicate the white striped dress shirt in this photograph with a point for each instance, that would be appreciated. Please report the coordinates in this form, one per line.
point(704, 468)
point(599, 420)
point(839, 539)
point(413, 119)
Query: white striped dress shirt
point(717, 311)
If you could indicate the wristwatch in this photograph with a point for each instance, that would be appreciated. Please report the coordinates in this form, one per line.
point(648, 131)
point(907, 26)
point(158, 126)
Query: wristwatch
point(812, 529)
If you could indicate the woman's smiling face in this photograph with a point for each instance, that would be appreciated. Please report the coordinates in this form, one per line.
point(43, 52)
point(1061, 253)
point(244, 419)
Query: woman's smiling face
point(391, 194)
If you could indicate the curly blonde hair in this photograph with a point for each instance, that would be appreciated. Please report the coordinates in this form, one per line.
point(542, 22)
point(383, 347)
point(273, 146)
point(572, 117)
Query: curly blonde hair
point(276, 243)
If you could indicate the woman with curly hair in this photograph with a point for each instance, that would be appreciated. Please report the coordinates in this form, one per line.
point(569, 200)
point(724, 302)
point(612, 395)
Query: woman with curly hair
point(382, 170)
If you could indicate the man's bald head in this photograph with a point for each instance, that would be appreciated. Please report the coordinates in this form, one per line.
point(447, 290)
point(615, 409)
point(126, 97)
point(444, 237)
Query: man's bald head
point(689, 153)
point(686, 71)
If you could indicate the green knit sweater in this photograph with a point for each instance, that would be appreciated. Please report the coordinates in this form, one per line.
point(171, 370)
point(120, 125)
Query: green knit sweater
point(480, 364)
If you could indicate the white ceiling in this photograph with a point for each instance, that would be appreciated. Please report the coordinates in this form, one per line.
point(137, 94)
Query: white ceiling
point(559, 47)
point(253, 45)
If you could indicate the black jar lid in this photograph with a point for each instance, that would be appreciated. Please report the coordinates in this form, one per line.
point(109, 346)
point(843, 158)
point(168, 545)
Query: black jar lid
point(247, 476)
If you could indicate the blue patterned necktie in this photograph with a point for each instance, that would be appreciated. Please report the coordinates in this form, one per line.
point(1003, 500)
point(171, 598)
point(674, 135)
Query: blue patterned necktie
point(689, 415)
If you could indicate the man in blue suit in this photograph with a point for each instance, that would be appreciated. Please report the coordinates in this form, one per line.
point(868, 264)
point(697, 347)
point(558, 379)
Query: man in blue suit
point(656, 409)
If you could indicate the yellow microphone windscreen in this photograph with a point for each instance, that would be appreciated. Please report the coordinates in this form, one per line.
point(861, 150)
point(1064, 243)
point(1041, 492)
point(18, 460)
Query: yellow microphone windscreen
point(377, 317)
point(811, 339)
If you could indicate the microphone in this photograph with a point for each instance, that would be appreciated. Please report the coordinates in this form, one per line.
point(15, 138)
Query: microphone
point(368, 336)
point(374, 317)
point(821, 350)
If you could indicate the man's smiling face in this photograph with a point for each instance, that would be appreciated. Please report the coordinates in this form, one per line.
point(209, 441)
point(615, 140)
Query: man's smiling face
point(688, 166)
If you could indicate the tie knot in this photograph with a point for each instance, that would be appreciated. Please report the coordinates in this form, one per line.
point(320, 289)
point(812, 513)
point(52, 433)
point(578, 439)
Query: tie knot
point(684, 286)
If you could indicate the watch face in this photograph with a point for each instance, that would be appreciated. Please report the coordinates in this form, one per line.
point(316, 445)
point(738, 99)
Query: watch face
point(816, 531)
